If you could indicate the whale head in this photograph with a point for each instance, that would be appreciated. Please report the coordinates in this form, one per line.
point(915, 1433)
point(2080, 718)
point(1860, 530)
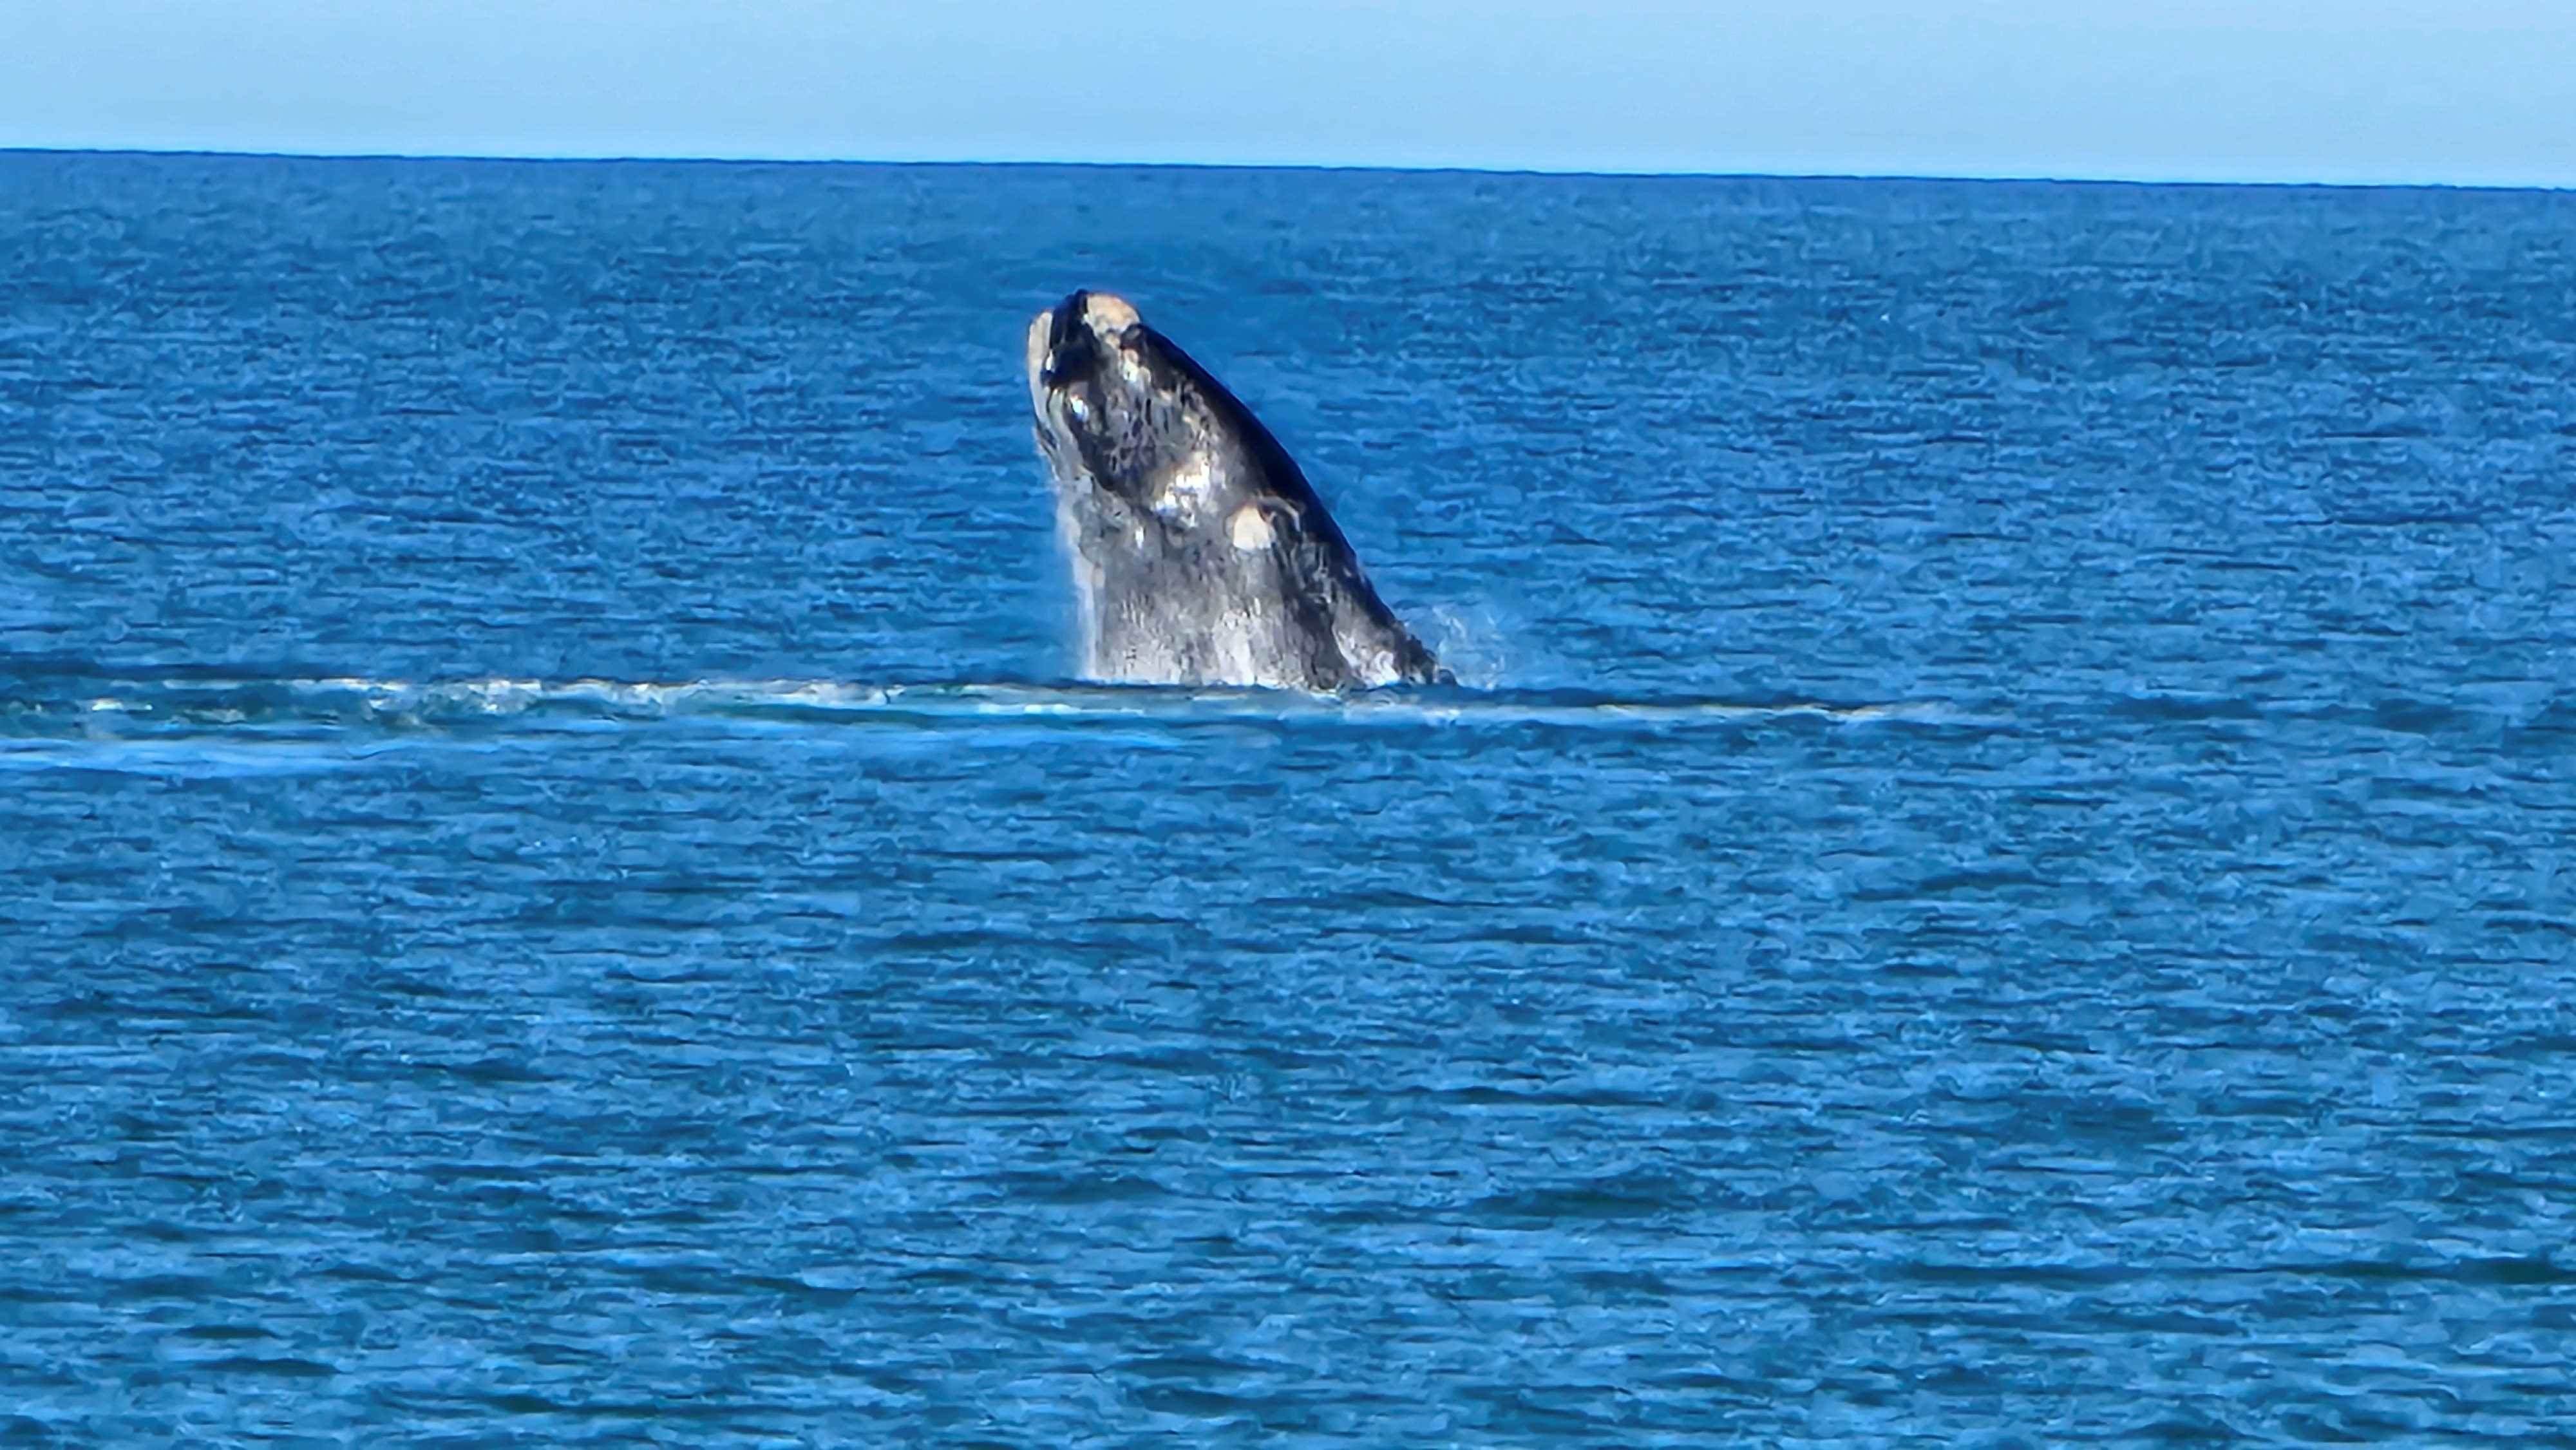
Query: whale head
point(1200, 554)
point(1120, 409)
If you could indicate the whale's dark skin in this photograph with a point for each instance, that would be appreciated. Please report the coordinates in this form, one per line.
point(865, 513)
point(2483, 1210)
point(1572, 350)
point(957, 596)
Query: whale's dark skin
point(1200, 554)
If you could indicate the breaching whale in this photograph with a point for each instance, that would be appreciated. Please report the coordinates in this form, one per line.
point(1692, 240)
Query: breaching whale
point(1200, 554)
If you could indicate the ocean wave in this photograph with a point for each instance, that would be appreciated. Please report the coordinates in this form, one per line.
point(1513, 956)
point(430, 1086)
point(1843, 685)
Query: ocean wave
point(91, 707)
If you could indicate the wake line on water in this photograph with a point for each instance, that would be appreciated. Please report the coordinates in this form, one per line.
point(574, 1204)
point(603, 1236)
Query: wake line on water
point(115, 707)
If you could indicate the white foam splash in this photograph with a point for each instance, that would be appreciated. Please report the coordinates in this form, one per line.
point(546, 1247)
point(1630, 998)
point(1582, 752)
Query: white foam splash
point(1471, 641)
point(343, 700)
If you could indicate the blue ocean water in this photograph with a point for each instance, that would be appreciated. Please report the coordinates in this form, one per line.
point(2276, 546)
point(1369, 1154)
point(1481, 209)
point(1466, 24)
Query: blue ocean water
point(1997, 875)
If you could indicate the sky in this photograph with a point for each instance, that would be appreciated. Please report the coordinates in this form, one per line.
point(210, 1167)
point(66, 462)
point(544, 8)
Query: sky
point(2469, 92)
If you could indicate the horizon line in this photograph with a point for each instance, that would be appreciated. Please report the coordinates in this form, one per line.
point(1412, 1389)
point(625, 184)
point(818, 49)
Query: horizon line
point(1421, 169)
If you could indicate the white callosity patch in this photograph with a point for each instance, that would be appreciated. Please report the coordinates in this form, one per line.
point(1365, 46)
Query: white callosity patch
point(1250, 529)
point(1132, 372)
point(1107, 314)
point(1184, 495)
point(1112, 322)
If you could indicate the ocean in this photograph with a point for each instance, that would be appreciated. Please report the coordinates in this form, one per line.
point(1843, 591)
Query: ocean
point(1997, 872)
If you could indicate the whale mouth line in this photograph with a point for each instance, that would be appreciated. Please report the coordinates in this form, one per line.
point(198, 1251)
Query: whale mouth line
point(1063, 354)
point(1068, 360)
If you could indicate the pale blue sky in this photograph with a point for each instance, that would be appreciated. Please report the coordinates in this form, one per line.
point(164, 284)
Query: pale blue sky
point(2469, 92)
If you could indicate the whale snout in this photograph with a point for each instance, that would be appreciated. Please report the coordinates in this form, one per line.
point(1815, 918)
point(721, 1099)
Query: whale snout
point(1066, 340)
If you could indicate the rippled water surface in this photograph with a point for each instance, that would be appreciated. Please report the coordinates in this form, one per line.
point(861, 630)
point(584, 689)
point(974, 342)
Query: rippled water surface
point(1998, 873)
